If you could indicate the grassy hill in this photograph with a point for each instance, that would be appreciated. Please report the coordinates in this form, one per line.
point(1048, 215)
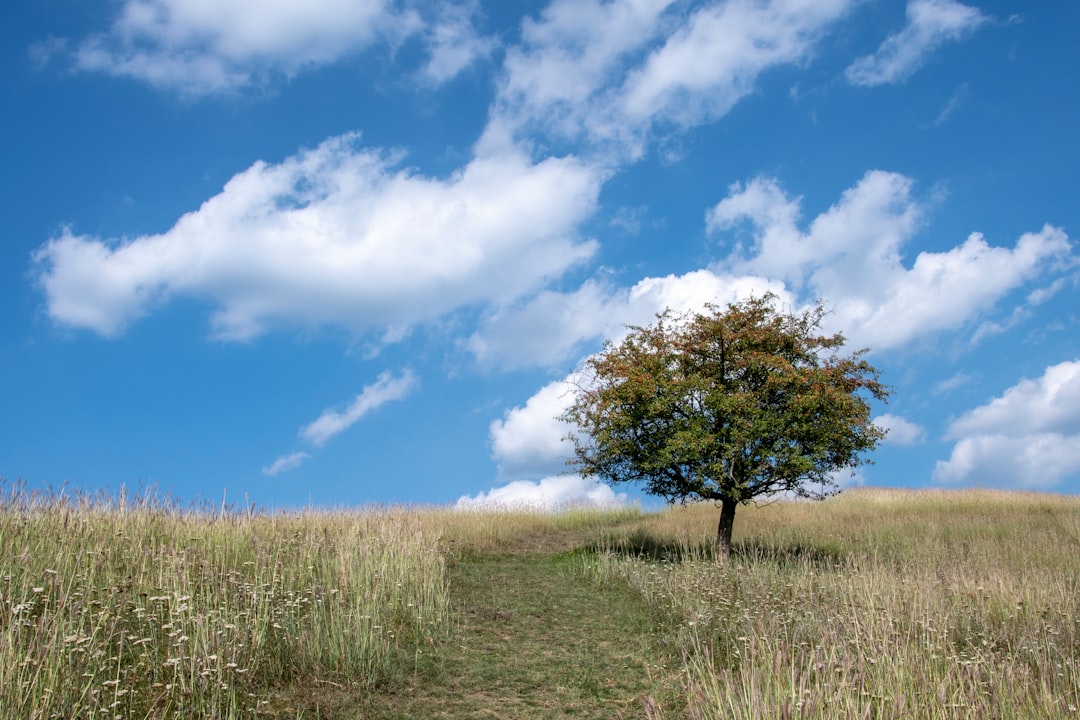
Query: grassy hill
point(874, 604)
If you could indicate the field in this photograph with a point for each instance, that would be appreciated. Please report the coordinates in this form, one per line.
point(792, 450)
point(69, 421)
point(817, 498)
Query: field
point(874, 604)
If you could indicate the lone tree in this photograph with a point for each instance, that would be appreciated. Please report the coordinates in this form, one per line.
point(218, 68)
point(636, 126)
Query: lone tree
point(730, 406)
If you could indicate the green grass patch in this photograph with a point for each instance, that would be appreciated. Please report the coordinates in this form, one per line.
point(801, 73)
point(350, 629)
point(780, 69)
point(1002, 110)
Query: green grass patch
point(540, 638)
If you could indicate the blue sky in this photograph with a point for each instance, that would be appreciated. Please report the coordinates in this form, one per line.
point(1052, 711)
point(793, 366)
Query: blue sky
point(343, 252)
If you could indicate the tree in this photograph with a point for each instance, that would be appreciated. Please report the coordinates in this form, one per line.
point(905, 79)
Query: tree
point(730, 405)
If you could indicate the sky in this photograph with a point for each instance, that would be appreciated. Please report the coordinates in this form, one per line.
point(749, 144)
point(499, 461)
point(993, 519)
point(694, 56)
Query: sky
point(347, 252)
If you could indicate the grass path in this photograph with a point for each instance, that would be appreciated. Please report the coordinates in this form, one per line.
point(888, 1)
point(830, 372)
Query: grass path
point(538, 639)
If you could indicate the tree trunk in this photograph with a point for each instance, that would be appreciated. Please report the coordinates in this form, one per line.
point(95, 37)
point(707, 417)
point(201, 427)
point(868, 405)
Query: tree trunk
point(723, 530)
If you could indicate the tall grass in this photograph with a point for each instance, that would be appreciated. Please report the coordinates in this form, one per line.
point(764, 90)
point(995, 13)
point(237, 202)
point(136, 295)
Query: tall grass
point(875, 604)
point(138, 609)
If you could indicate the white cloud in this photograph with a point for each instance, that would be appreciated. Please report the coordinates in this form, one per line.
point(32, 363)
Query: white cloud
point(213, 46)
point(285, 463)
point(548, 328)
point(203, 47)
point(549, 494)
point(528, 440)
point(611, 71)
point(453, 42)
point(852, 258)
point(870, 222)
point(386, 389)
point(931, 24)
point(336, 235)
point(560, 76)
point(1049, 404)
point(949, 384)
point(1028, 437)
point(1033, 461)
point(901, 431)
point(713, 60)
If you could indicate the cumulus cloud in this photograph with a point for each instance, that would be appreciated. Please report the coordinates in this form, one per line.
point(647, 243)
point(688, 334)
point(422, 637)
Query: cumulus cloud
point(336, 235)
point(1027, 437)
point(852, 257)
point(549, 327)
point(528, 440)
point(930, 24)
point(901, 431)
point(610, 72)
point(201, 48)
point(549, 494)
point(560, 76)
point(332, 422)
point(714, 58)
point(285, 463)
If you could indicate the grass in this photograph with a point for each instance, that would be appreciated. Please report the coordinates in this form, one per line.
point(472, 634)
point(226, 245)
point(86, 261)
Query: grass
point(140, 610)
point(874, 604)
point(539, 639)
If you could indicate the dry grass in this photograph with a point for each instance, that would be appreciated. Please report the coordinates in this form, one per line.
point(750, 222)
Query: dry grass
point(876, 604)
point(139, 610)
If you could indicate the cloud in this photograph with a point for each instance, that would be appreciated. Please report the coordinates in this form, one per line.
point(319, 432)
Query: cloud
point(901, 431)
point(612, 72)
point(930, 24)
point(453, 43)
point(199, 48)
point(949, 384)
point(1048, 404)
point(285, 463)
point(336, 235)
point(386, 389)
point(528, 440)
point(559, 78)
point(1027, 437)
point(955, 101)
point(713, 60)
point(852, 257)
point(549, 494)
point(548, 328)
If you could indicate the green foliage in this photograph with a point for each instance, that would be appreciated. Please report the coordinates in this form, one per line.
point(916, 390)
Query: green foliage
point(730, 405)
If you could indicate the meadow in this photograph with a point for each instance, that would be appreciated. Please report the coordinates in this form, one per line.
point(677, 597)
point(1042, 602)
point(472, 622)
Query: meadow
point(874, 604)
point(141, 609)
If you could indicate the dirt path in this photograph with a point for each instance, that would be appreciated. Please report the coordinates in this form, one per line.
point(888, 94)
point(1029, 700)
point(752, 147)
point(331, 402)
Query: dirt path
point(539, 639)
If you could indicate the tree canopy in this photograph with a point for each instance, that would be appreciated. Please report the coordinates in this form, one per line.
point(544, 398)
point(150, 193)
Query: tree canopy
point(728, 405)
